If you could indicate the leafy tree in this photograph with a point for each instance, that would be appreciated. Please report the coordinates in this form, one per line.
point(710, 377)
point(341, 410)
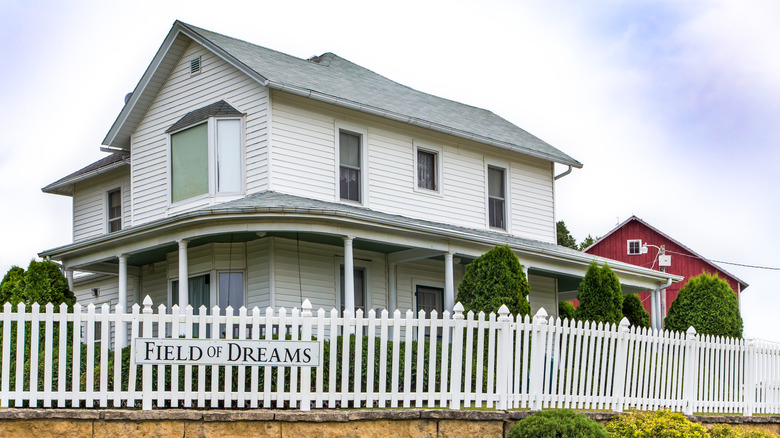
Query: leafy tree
point(493, 279)
point(600, 296)
point(634, 311)
point(709, 305)
point(564, 237)
point(588, 241)
point(566, 310)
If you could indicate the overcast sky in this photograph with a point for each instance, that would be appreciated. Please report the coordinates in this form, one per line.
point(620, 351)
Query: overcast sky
point(673, 107)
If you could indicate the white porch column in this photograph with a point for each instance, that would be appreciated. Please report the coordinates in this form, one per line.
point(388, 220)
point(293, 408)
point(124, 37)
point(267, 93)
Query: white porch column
point(525, 272)
point(349, 275)
point(183, 275)
point(392, 286)
point(449, 282)
point(121, 335)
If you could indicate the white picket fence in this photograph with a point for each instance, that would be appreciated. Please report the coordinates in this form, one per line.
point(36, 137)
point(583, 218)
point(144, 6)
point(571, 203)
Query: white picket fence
point(455, 361)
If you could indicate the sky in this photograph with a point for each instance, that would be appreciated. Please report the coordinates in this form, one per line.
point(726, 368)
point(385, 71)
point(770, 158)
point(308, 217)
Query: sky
point(672, 107)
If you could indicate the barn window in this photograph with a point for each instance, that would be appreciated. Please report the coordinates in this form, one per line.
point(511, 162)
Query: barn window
point(634, 247)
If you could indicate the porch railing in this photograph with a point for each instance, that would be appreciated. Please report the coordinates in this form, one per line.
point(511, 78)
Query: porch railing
point(53, 358)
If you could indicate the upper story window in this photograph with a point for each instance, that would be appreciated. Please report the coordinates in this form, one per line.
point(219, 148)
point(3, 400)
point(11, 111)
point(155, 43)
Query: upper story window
point(427, 170)
point(114, 200)
point(206, 153)
point(350, 166)
point(496, 197)
point(634, 247)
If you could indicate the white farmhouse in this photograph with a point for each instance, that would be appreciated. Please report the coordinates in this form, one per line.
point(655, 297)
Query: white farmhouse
point(263, 179)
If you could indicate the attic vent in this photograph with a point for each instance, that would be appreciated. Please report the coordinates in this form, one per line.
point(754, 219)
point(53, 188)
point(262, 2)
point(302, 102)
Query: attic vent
point(195, 66)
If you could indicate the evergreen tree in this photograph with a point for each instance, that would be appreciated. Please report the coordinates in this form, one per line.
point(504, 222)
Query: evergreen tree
point(709, 305)
point(493, 279)
point(600, 296)
point(564, 237)
point(635, 312)
point(566, 310)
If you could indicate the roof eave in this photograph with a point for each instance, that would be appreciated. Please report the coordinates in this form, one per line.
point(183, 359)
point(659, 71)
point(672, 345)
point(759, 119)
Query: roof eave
point(327, 98)
point(65, 187)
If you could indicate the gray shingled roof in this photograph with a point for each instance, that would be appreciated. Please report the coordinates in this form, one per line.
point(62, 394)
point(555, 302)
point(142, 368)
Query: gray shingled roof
point(220, 108)
point(331, 79)
point(332, 75)
point(63, 185)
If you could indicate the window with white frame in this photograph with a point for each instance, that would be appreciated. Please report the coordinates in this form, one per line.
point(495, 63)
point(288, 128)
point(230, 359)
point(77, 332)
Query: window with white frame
point(359, 285)
point(427, 170)
point(350, 166)
point(231, 293)
point(206, 153)
point(634, 247)
point(114, 201)
point(496, 197)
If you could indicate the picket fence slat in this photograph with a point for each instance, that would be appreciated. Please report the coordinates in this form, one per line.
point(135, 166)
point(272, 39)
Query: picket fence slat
point(473, 360)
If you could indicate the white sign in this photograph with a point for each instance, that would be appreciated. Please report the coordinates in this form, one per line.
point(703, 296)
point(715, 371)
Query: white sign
point(162, 351)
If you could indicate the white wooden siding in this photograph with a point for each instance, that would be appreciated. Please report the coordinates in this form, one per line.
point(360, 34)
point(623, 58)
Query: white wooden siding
point(181, 94)
point(90, 204)
point(543, 294)
point(319, 275)
point(303, 128)
point(257, 274)
point(533, 209)
point(154, 282)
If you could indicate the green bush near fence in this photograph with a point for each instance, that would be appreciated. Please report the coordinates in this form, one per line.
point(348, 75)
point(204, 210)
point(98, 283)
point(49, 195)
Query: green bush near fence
point(557, 423)
point(635, 312)
point(661, 424)
point(727, 431)
point(709, 305)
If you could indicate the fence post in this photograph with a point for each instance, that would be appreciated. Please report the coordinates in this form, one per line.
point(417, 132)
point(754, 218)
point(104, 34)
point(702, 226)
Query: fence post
point(750, 378)
point(504, 356)
point(456, 369)
point(691, 376)
point(536, 377)
point(146, 396)
point(621, 356)
point(306, 321)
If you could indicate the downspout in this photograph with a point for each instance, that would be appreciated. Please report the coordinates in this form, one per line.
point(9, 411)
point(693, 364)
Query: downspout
point(658, 317)
point(561, 175)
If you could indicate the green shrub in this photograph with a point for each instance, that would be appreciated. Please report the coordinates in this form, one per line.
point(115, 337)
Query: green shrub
point(635, 312)
point(709, 305)
point(556, 423)
point(726, 431)
point(600, 296)
point(493, 279)
point(661, 424)
point(566, 310)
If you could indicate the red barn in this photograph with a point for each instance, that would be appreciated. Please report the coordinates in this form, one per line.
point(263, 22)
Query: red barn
point(636, 242)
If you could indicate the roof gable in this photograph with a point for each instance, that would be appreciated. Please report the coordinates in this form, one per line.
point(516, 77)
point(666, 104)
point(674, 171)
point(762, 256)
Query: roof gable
point(641, 223)
point(331, 79)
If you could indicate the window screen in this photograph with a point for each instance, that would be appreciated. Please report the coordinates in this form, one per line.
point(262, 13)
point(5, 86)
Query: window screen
point(426, 170)
point(189, 163)
point(229, 156)
point(360, 288)
point(496, 198)
point(349, 168)
point(430, 299)
point(114, 210)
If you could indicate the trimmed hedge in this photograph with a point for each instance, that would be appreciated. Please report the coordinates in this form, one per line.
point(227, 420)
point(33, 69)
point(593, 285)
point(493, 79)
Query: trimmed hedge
point(709, 305)
point(661, 424)
point(726, 431)
point(566, 310)
point(555, 423)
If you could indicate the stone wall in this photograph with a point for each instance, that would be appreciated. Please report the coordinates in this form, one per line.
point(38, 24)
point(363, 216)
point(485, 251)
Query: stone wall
point(385, 423)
